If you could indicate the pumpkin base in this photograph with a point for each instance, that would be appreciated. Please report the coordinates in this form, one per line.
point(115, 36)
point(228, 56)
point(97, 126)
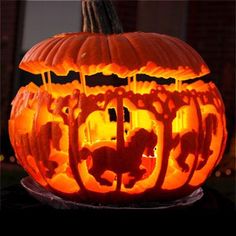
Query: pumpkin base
point(57, 202)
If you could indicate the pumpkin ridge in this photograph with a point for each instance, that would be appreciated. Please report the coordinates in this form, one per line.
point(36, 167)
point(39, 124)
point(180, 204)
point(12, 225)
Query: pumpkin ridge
point(79, 52)
point(59, 57)
point(108, 51)
point(133, 48)
point(29, 55)
point(194, 60)
point(155, 63)
point(45, 50)
point(157, 49)
point(50, 57)
point(175, 50)
point(167, 51)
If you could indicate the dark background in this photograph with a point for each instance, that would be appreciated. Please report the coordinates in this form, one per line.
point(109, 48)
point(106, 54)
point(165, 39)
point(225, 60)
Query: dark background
point(208, 26)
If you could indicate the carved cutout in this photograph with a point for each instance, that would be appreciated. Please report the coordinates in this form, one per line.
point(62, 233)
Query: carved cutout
point(126, 160)
point(70, 142)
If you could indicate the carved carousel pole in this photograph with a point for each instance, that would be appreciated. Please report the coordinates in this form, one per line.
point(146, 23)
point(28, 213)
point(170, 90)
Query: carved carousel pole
point(99, 16)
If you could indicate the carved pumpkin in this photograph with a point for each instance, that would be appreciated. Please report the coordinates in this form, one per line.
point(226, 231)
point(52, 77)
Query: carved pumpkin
point(64, 136)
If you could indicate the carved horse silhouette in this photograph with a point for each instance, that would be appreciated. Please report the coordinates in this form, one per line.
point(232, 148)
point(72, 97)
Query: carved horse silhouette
point(188, 143)
point(211, 124)
point(126, 160)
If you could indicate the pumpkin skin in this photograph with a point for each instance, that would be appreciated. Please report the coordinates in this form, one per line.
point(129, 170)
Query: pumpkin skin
point(65, 139)
point(124, 54)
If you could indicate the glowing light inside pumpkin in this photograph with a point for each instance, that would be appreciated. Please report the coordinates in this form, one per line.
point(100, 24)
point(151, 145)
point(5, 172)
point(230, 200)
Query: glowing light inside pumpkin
point(81, 132)
point(108, 143)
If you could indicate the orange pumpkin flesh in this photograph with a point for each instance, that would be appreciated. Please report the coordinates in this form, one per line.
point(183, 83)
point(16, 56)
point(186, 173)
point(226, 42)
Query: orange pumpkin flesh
point(65, 139)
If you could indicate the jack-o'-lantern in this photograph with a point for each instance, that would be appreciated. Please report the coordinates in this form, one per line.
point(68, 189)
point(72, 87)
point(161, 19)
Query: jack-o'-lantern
point(162, 142)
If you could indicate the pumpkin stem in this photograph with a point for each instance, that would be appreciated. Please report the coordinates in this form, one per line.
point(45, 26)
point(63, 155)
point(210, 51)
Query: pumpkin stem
point(99, 16)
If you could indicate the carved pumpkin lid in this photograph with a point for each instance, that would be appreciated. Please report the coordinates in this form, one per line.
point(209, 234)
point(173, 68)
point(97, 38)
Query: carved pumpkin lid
point(122, 54)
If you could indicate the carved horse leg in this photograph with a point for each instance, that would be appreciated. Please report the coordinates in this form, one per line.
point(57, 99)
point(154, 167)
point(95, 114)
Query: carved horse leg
point(188, 146)
point(211, 128)
point(137, 174)
point(97, 173)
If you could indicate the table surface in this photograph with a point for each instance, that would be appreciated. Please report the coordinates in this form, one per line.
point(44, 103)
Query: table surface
point(212, 211)
point(17, 198)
